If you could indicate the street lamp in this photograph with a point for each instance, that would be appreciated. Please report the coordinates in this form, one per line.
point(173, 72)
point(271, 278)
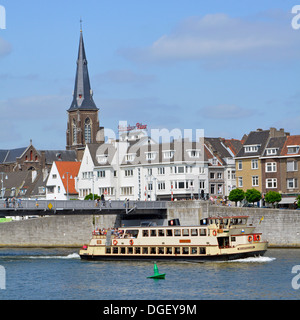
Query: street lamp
point(67, 173)
point(2, 188)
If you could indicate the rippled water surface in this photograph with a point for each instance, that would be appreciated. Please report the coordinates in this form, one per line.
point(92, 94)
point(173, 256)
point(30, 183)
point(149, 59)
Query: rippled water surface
point(36, 274)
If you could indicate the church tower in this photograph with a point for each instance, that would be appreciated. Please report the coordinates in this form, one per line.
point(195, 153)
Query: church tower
point(83, 123)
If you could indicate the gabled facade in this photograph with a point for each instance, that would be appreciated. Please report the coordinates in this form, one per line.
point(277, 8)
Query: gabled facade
point(248, 160)
point(290, 168)
point(61, 181)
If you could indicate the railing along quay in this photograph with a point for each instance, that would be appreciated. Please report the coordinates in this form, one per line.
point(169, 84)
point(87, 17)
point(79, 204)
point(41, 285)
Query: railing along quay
point(48, 207)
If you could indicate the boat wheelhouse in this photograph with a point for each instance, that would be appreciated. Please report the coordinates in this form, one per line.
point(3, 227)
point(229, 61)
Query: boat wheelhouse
point(216, 238)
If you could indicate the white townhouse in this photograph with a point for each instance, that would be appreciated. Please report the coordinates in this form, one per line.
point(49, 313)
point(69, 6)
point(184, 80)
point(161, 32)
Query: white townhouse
point(137, 168)
point(61, 180)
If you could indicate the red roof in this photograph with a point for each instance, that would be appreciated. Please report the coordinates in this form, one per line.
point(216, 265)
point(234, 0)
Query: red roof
point(68, 171)
point(291, 141)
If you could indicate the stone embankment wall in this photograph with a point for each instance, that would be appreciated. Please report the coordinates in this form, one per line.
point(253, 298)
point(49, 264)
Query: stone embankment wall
point(280, 227)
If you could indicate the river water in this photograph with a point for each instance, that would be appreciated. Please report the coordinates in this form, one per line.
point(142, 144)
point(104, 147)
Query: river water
point(60, 274)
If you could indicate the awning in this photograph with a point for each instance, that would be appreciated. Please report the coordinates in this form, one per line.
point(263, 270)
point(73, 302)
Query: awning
point(287, 200)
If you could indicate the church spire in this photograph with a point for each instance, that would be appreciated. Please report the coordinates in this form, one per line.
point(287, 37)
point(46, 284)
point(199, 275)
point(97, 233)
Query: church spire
point(83, 95)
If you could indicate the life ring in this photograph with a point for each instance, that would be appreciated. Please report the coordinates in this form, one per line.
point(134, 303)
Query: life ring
point(215, 232)
point(131, 242)
point(256, 237)
point(249, 238)
point(115, 242)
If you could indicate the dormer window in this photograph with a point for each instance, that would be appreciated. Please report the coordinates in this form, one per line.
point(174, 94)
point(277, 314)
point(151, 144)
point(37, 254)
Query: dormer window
point(271, 151)
point(252, 148)
point(129, 157)
point(168, 154)
point(150, 155)
point(193, 153)
point(292, 149)
point(102, 159)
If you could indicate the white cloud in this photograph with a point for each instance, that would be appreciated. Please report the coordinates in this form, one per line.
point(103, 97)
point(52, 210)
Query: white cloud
point(221, 36)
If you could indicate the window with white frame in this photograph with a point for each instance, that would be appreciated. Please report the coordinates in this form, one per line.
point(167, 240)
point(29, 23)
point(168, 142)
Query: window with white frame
point(201, 170)
point(292, 183)
point(150, 155)
point(161, 185)
point(161, 170)
point(129, 157)
point(194, 153)
point(271, 151)
point(202, 184)
point(128, 172)
point(219, 175)
point(271, 167)
point(101, 174)
point(107, 191)
point(240, 165)
point(240, 182)
point(271, 183)
point(292, 149)
point(254, 164)
point(252, 148)
point(291, 166)
point(168, 154)
point(126, 191)
point(254, 181)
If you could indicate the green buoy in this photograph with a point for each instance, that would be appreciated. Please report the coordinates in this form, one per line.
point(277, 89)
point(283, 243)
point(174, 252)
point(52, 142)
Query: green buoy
point(157, 275)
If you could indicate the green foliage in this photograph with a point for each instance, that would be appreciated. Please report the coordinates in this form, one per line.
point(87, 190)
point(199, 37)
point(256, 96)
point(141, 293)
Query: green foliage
point(236, 195)
point(90, 197)
point(252, 195)
point(272, 197)
point(298, 201)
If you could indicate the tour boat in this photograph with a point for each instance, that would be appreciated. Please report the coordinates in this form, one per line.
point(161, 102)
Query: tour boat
point(216, 238)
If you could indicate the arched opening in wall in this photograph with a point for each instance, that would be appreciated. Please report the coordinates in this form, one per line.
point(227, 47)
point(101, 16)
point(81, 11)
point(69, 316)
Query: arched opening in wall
point(74, 131)
point(87, 130)
point(31, 155)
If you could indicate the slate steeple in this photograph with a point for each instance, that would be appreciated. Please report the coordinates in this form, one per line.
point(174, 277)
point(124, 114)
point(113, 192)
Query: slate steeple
point(83, 122)
point(83, 94)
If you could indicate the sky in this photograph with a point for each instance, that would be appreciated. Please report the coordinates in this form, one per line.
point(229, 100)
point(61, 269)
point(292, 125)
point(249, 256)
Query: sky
point(227, 67)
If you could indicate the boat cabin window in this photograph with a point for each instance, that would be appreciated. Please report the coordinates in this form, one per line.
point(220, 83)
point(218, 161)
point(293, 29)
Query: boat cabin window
point(194, 232)
point(185, 250)
point(169, 250)
point(131, 233)
point(238, 221)
point(177, 250)
point(161, 232)
point(185, 232)
point(145, 233)
point(194, 250)
point(177, 233)
point(137, 250)
point(153, 233)
point(202, 232)
point(145, 250)
point(169, 232)
point(153, 250)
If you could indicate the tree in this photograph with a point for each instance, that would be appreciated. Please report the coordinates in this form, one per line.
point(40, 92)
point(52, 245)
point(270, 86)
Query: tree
point(90, 197)
point(236, 195)
point(252, 195)
point(298, 201)
point(272, 197)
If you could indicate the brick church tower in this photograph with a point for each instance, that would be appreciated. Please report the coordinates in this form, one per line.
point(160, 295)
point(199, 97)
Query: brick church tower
point(83, 123)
